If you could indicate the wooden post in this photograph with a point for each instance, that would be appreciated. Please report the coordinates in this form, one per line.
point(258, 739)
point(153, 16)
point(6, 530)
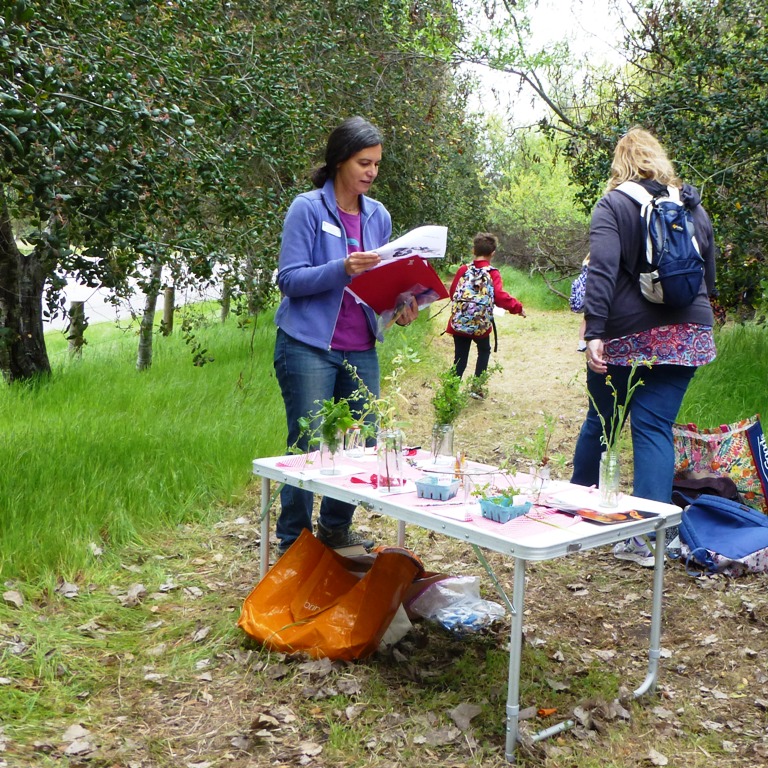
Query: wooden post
point(226, 297)
point(76, 328)
point(168, 309)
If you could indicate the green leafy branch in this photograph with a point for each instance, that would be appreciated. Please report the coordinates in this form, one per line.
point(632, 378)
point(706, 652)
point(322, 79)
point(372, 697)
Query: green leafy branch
point(327, 424)
point(450, 397)
point(610, 437)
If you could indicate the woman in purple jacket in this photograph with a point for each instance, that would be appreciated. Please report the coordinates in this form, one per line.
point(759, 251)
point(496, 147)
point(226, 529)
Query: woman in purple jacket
point(330, 235)
point(623, 327)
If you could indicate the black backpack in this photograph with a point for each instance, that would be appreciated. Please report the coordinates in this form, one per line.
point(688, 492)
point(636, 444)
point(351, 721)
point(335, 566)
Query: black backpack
point(674, 267)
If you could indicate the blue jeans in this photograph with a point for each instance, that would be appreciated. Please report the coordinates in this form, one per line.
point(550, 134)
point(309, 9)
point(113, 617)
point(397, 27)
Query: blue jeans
point(306, 374)
point(653, 409)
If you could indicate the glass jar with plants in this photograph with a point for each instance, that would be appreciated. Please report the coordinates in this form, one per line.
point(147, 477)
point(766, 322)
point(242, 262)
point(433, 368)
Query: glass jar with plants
point(379, 418)
point(325, 429)
point(449, 400)
point(535, 452)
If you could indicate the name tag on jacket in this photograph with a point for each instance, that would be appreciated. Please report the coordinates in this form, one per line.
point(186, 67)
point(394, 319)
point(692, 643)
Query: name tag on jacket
point(331, 229)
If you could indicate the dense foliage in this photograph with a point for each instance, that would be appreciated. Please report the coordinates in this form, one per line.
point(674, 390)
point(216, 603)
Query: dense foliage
point(698, 79)
point(534, 207)
point(147, 141)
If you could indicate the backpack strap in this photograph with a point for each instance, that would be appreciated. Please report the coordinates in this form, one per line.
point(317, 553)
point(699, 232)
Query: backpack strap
point(643, 197)
point(636, 192)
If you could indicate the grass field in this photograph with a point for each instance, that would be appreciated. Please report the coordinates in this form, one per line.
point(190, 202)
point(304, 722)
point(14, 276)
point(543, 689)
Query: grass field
point(102, 453)
point(127, 544)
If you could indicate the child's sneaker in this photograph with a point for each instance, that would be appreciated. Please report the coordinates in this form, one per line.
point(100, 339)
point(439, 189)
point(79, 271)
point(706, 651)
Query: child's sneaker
point(636, 551)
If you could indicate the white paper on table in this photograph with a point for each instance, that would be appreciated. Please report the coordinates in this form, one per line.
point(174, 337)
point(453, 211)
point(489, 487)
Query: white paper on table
point(574, 498)
point(428, 242)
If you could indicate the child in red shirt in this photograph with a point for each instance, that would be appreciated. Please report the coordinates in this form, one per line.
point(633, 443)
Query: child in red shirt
point(464, 311)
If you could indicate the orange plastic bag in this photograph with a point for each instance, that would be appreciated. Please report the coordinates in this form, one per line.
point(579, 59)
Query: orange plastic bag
point(317, 601)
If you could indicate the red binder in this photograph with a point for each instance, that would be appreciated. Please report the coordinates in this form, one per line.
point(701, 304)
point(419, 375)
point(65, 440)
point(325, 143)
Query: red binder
point(381, 287)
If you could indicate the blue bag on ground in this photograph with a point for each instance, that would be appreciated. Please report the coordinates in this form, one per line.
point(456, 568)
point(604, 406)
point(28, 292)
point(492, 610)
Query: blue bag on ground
point(724, 536)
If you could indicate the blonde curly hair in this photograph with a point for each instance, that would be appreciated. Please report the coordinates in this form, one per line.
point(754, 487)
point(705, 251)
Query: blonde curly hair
point(639, 155)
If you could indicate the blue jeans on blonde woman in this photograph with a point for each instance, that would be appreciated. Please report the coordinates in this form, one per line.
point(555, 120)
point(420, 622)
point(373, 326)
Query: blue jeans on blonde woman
point(307, 374)
point(653, 410)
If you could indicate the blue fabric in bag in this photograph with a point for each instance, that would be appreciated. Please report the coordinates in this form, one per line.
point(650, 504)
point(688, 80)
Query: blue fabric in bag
point(714, 524)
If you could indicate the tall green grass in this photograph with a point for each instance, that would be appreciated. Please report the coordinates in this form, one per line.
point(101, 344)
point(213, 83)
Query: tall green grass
point(735, 385)
point(102, 453)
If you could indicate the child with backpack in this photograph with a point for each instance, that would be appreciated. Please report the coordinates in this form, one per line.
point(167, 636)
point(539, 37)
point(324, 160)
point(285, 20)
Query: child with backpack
point(476, 289)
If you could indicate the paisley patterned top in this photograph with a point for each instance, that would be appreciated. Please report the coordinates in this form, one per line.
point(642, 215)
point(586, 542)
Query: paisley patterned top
point(683, 344)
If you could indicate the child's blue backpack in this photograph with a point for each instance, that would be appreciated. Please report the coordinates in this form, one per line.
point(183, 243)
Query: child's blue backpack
point(674, 267)
point(724, 536)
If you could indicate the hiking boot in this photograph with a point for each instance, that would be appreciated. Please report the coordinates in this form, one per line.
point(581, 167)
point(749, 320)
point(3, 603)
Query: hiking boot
point(283, 547)
point(338, 538)
point(635, 550)
point(477, 395)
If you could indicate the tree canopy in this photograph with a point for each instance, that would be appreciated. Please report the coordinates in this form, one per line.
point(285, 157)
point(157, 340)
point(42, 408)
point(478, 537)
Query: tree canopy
point(139, 135)
point(698, 78)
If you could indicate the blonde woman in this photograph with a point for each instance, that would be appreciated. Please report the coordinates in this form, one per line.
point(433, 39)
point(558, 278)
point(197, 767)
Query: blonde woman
point(622, 327)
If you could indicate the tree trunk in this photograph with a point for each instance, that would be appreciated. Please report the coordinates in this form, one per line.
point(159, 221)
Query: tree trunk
point(77, 325)
point(226, 298)
point(168, 310)
point(144, 358)
point(22, 280)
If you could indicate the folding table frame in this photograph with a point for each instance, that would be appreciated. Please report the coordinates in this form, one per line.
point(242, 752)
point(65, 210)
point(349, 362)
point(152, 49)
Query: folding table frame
point(553, 542)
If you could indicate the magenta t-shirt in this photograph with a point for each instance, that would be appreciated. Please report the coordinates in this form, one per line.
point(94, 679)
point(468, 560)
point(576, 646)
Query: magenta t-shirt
point(352, 333)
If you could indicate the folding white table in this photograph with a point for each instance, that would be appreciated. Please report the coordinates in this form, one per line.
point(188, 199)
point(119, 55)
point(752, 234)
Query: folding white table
point(541, 535)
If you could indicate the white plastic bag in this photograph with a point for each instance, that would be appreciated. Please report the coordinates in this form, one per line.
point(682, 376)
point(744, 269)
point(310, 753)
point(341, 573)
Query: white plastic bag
point(455, 603)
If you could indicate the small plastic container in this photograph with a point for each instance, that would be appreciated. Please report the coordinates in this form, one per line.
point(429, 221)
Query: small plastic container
point(437, 488)
point(501, 509)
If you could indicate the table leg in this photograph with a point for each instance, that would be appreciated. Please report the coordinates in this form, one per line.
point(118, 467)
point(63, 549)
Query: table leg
point(401, 533)
point(266, 503)
point(654, 646)
point(515, 649)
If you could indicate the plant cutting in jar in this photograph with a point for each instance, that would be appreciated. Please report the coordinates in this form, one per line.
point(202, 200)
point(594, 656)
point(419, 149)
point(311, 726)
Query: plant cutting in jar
point(379, 416)
point(609, 471)
point(450, 398)
point(327, 424)
point(381, 413)
point(533, 451)
point(610, 437)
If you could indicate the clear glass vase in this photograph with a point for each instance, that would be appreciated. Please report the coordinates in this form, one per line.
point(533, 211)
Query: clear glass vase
point(354, 443)
point(389, 458)
point(609, 478)
point(442, 444)
point(330, 454)
point(541, 476)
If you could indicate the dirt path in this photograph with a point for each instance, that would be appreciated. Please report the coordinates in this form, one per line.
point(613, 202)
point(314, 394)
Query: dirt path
point(542, 376)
